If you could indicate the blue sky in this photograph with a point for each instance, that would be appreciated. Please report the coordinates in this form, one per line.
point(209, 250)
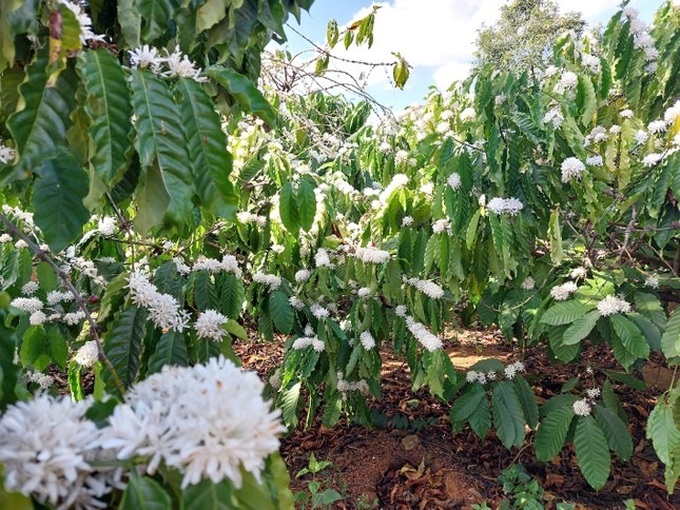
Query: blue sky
point(435, 36)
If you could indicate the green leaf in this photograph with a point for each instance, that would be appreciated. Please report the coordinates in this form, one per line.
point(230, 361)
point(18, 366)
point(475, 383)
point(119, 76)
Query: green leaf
point(244, 91)
point(615, 431)
point(552, 432)
point(306, 203)
point(581, 328)
point(162, 151)
point(592, 452)
point(210, 14)
point(282, 312)
point(332, 33)
point(171, 349)
point(58, 201)
point(74, 385)
point(236, 329)
point(565, 312)
point(123, 345)
point(555, 236)
point(207, 495)
point(289, 402)
point(585, 95)
point(400, 72)
point(144, 493)
point(480, 419)
point(231, 294)
point(466, 404)
point(157, 15)
point(528, 401)
point(663, 431)
point(58, 348)
point(210, 161)
point(670, 341)
point(130, 22)
point(332, 410)
point(631, 336)
point(35, 350)
point(507, 415)
point(288, 210)
point(109, 110)
point(42, 119)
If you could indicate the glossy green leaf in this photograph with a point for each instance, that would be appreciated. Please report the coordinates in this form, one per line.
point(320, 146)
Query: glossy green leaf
point(615, 431)
point(580, 328)
point(290, 216)
point(163, 153)
point(108, 107)
point(565, 312)
point(526, 397)
point(209, 159)
point(592, 452)
point(42, 119)
point(663, 431)
point(123, 345)
point(207, 495)
point(508, 417)
point(552, 432)
point(466, 404)
point(631, 336)
point(281, 311)
point(244, 91)
point(157, 15)
point(306, 203)
point(171, 349)
point(670, 341)
point(58, 200)
point(145, 493)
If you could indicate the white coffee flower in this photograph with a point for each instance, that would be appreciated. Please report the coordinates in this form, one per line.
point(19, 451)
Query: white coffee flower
point(372, 255)
point(652, 282)
point(528, 284)
point(367, 340)
point(302, 275)
point(208, 421)
point(45, 446)
point(429, 288)
point(651, 159)
point(30, 288)
point(270, 280)
point(564, 291)
point(593, 393)
point(572, 168)
point(407, 221)
point(657, 126)
point(454, 181)
point(27, 304)
point(595, 160)
point(582, 407)
point(87, 355)
point(209, 325)
point(611, 305)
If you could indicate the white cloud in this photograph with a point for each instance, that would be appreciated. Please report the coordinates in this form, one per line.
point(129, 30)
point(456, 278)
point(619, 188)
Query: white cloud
point(437, 37)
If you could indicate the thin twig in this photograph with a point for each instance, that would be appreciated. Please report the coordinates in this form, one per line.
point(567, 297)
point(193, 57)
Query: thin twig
point(79, 299)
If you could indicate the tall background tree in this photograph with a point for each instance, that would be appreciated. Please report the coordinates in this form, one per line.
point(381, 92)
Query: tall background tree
point(524, 35)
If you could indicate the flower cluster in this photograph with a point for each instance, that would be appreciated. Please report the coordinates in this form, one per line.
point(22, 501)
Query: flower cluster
point(209, 325)
point(509, 206)
point(344, 386)
point(611, 305)
point(47, 446)
point(87, 355)
point(454, 181)
point(564, 291)
point(427, 339)
point(582, 407)
point(429, 288)
point(572, 168)
point(207, 421)
point(164, 310)
point(270, 280)
point(367, 340)
point(7, 154)
point(228, 264)
point(173, 65)
point(309, 340)
point(372, 255)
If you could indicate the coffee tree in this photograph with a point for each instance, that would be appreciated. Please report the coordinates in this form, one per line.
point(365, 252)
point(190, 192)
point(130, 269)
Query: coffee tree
point(158, 206)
